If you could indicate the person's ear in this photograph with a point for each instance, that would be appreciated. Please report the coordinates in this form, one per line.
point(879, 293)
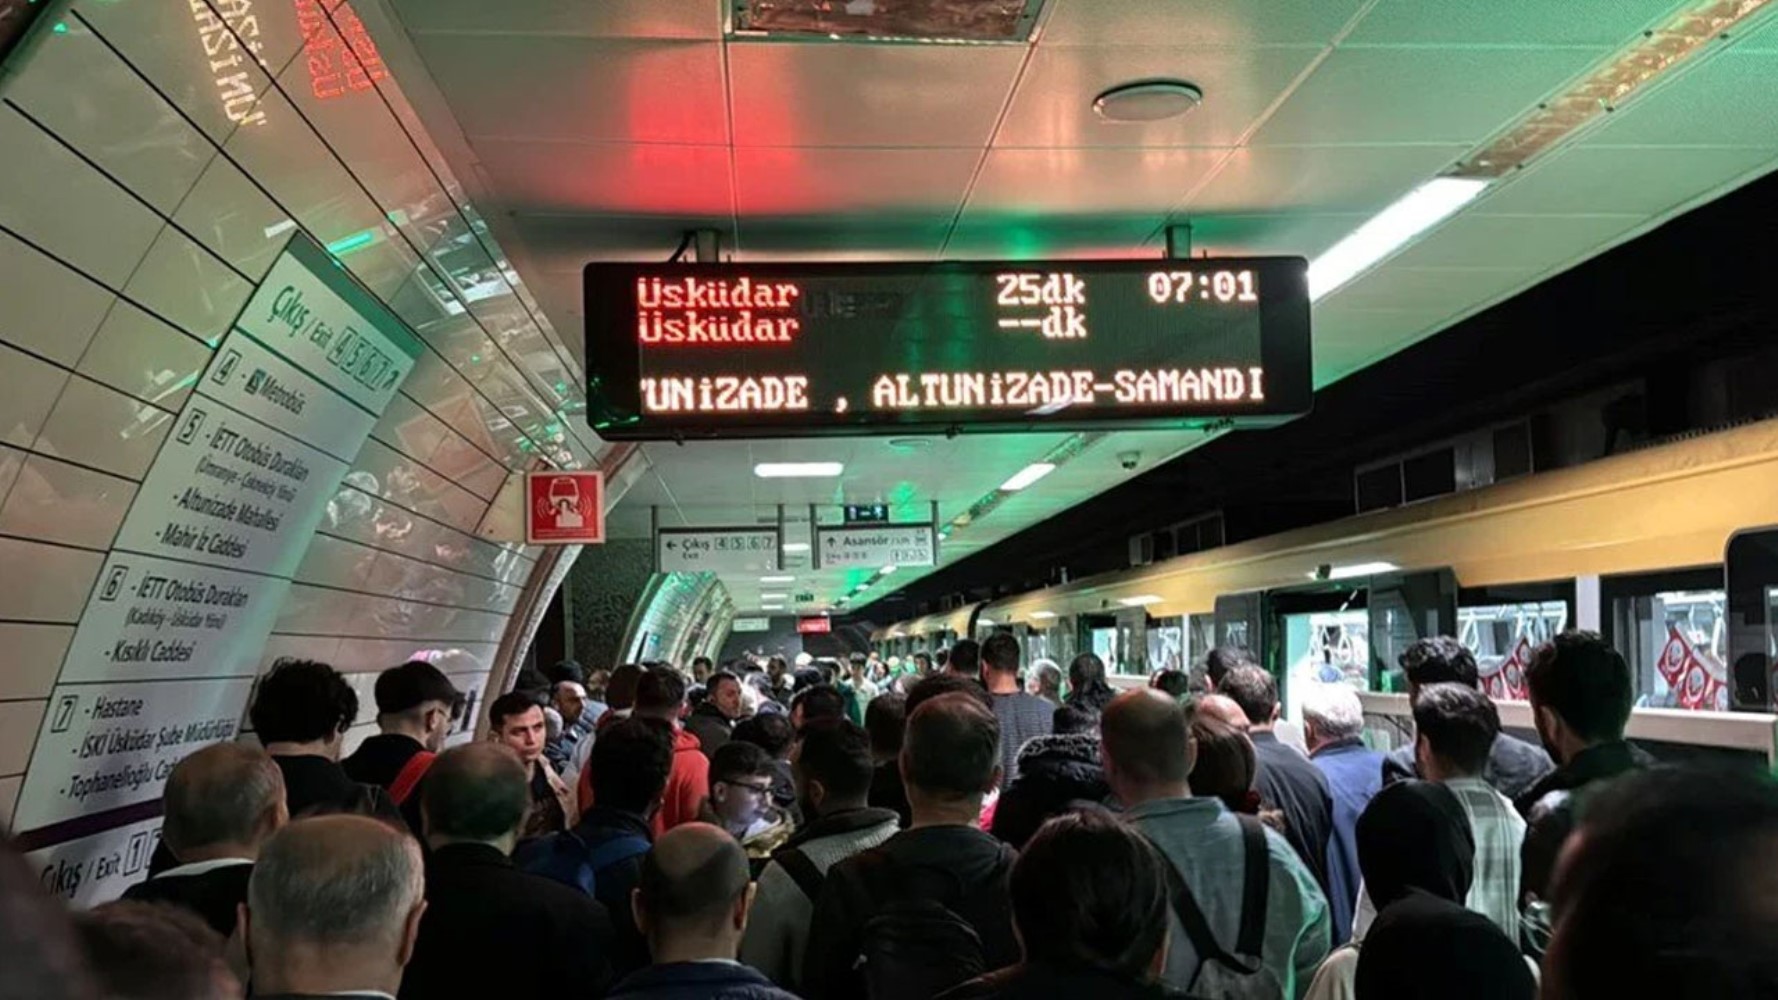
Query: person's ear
point(744, 906)
point(1157, 966)
point(1191, 754)
point(1422, 753)
point(817, 792)
point(410, 933)
point(994, 779)
point(1275, 710)
point(638, 912)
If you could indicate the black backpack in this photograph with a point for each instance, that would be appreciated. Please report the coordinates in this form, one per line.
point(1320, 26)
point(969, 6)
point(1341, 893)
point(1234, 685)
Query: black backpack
point(922, 939)
point(1238, 974)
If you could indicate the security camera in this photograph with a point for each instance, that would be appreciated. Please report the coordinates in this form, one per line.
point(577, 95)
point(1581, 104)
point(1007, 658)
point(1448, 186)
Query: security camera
point(1129, 459)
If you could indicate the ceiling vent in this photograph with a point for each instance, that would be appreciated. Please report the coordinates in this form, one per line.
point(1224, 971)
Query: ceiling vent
point(953, 21)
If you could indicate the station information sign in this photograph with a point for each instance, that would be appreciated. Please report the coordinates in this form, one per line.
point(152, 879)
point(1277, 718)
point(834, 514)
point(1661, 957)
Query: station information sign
point(755, 350)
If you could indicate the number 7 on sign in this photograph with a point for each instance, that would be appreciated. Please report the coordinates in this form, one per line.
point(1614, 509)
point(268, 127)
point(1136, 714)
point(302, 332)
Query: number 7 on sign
point(1170, 286)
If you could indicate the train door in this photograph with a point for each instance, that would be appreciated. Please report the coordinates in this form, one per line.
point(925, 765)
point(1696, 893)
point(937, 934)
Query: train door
point(1752, 561)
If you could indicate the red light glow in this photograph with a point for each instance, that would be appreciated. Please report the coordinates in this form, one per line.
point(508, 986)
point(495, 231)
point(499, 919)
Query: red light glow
point(341, 60)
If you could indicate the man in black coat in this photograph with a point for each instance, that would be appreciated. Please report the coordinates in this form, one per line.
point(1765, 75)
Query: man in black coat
point(221, 803)
point(1286, 779)
point(1514, 765)
point(1055, 772)
point(713, 721)
point(416, 705)
point(478, 903)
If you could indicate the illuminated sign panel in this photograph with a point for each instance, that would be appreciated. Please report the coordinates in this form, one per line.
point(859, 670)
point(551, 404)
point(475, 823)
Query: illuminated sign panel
point(784, 349)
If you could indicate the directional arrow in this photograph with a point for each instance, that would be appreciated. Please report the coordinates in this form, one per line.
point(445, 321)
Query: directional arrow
point(672, 545)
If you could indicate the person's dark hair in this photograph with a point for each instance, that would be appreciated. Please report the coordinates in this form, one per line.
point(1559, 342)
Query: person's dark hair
point(923, 656)
point(837, 753)
point(966, 658)
point(953, 747)
point(941, 658)
point(695, 695)
point(770, 731)
point(220, 794)
point(823, 701)
point(1176, 683)
point(702, 661)
point(1087, 687)
point(154, 951)
point(1415, 835)
point(1439, 659)
point(886, 720)
point(739, 759)
point(39, 949)
point(412, 684)
point(302, 701)
point(1148, 737)
point(1073, 719)
point(660, 692)
point(1459, 724)
point(1000, 652)
point(804, 678)
point(1669, 890)
point(630, 761)
point(720, 677)
point(533, 682)
point(927, 688)
point(478, 791)
point(1225, 766)
point(1252, 688)
point(509, 705)
point(1222, 659)
point(620, 687)
point(565, 670)
point(1586, 682)
point(1089, 892)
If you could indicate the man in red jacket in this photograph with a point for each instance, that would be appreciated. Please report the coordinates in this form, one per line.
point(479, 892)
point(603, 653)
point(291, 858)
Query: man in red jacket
point(660, 694)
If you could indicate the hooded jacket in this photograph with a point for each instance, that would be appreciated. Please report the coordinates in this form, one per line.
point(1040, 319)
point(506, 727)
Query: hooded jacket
point(1053, 772)
point(974, 864)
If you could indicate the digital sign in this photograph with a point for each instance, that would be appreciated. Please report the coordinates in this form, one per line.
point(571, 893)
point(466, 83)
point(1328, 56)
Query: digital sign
point(774, 350)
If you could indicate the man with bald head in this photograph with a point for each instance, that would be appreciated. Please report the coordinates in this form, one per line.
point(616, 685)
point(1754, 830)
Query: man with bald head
point(1223, 709)
point(221, 803)
point(692, 905)
point(333, 909)
point(474, 802)
point(1148, 751)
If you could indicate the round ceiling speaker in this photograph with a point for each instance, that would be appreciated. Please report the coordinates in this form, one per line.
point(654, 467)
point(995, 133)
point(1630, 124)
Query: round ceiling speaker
point(1147, 101)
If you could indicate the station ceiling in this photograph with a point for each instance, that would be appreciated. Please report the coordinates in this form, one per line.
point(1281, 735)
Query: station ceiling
point(602, 131)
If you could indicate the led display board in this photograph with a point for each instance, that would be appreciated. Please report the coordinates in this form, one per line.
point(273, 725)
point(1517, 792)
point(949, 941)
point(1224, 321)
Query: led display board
point(773, 350)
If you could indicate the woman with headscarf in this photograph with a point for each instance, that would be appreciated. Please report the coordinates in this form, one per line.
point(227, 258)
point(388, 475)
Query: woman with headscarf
point(1417, 856)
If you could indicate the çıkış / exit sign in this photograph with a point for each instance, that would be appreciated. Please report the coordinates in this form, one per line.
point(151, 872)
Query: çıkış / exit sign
point(773, 350)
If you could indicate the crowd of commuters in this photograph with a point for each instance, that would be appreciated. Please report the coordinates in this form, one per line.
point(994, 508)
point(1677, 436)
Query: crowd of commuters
point(967, 826)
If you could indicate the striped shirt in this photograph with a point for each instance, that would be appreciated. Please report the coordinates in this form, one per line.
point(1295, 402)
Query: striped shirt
point(1499, 831)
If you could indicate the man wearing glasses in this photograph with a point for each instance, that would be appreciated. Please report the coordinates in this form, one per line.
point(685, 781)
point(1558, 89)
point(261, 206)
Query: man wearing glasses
point(741, 799)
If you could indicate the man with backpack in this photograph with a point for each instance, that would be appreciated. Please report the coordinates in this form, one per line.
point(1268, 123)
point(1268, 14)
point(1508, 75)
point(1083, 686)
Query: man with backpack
point(1248, 919)
point(832, 767)
point(929, 908)
point(602, 855)
point(416, 707)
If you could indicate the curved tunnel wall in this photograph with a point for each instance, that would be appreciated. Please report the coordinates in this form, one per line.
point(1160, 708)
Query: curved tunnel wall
point(160, 158)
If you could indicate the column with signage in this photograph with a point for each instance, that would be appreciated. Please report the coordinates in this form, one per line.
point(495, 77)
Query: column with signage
point(164, 656)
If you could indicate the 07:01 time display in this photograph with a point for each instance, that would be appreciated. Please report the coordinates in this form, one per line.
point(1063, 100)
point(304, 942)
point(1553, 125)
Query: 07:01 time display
point(1221, 286)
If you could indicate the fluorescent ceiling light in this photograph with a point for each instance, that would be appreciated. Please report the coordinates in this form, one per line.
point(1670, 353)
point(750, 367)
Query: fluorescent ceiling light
point(1028, 475)
point(777, 579)
point(1139, 601)
point(1356, 570)
point(771, 607)
point(1422, 208)
point(886, 570)
point(798, 470)
point(796, 547)
point(774, 597)
point(984, 623)
point(1043, 614)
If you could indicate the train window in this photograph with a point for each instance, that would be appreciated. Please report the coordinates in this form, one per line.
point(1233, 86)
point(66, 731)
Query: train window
point(1502, 625)
point(1167, 649)
point(1673, 629)
point(1753, 615)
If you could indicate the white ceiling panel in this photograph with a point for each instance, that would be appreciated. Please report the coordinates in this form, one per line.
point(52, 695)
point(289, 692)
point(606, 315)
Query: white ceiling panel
point(1266, 235)
point(1319, 179)
point(1197, 22)
point(587, 18)
point(1531, 23)
point(1510, 240)
point(1054, 103)
point(1089, 181)
point(801, 181)
point(1431, 95)
point(1030, 235)
point(1432, 289)
point(610, 177)
point(800, 94)
point(558, 87)
point(901, 236)
point(1625, 180)
point(1731, 100)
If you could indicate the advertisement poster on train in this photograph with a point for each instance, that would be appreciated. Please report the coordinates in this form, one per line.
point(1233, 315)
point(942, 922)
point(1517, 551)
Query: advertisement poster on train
point(164, 656)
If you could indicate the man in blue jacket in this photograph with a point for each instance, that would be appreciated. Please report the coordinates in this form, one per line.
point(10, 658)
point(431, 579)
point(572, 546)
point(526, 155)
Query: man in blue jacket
point(1333, 720)
point(692, 904)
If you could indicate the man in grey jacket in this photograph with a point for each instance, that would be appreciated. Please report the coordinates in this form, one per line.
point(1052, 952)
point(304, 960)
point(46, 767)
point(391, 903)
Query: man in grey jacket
point(832, 765)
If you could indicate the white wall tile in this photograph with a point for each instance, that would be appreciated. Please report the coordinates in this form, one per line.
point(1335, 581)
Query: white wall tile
point(51, 310)
point(67, 207)
point(11, 461)
point(105, 429)
point(56, 588)
point(183, 282)
point(9, 797)
point(28, 390)
point(231, 216)
point(18, 731)
point(57, 502)
point(144, 357)
point(30, 658)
